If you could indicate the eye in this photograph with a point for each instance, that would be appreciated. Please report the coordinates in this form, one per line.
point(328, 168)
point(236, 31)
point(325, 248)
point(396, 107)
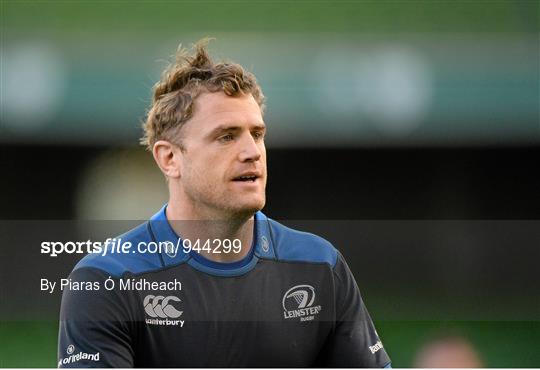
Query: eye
point(226, 138)
point(258, 135)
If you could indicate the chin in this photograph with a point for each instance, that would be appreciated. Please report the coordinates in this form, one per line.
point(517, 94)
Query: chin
point(248, 209)
point(252, 208)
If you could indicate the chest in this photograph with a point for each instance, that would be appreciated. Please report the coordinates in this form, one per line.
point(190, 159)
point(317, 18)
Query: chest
point(276, 315)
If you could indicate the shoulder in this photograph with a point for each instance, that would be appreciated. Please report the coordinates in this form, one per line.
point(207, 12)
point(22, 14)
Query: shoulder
point(116, 264)
point(300, 246)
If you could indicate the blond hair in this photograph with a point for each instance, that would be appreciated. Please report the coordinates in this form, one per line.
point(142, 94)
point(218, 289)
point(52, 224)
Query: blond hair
point(181, 83)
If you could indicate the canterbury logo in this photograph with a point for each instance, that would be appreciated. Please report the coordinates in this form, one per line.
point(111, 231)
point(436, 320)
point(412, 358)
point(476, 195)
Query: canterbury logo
point(301, 296)
point(159, 306)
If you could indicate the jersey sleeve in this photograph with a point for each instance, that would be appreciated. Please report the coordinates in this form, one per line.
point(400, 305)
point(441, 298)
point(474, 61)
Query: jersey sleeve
point(354, 342)
point(95, 324)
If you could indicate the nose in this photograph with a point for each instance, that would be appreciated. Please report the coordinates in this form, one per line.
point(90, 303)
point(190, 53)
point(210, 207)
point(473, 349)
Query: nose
point(250, 150)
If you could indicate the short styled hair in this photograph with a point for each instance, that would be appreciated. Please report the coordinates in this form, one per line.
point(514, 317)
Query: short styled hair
point(183, 81)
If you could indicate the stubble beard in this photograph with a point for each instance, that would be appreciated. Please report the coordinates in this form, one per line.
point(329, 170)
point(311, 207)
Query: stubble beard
point(211, 203)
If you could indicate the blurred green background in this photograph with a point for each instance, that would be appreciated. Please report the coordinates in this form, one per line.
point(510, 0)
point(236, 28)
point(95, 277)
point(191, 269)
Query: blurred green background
point(345, 72)
point(501, 344)
point(76, 79)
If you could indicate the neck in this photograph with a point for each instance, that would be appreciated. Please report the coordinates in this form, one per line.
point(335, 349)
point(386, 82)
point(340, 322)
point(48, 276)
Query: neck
point(215, 233)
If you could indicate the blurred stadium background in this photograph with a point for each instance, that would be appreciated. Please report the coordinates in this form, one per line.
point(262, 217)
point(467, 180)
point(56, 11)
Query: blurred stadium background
point(421, 111)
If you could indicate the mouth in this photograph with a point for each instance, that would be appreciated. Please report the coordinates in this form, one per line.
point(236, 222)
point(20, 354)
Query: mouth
point(247, 177)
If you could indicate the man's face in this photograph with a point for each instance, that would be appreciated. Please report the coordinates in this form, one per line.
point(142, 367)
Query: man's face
point(223, 167)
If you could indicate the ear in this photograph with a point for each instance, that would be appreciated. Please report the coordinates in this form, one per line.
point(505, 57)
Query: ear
point(168, 157)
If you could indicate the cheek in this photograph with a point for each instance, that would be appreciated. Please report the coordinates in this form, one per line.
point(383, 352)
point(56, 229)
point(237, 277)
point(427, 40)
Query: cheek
point(263, 160)
point(204, 170)
point(263, 153)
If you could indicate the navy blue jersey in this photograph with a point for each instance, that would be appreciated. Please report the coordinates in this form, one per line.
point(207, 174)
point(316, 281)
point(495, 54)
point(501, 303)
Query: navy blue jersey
point(291, 302)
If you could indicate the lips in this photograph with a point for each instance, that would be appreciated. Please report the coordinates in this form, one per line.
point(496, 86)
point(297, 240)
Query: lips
point(247, 177)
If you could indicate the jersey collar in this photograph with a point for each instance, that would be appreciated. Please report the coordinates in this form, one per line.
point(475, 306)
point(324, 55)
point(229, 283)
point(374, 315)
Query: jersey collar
point(262, 247)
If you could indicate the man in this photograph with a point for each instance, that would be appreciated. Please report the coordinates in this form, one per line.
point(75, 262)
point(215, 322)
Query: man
point(446, 349)
point(241, 290)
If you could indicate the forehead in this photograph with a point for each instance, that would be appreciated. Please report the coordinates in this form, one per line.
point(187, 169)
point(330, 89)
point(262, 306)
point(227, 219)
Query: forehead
point(214, 109)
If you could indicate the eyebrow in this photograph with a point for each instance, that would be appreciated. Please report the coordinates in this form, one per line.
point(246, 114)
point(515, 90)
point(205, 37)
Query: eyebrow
point(227, 128)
